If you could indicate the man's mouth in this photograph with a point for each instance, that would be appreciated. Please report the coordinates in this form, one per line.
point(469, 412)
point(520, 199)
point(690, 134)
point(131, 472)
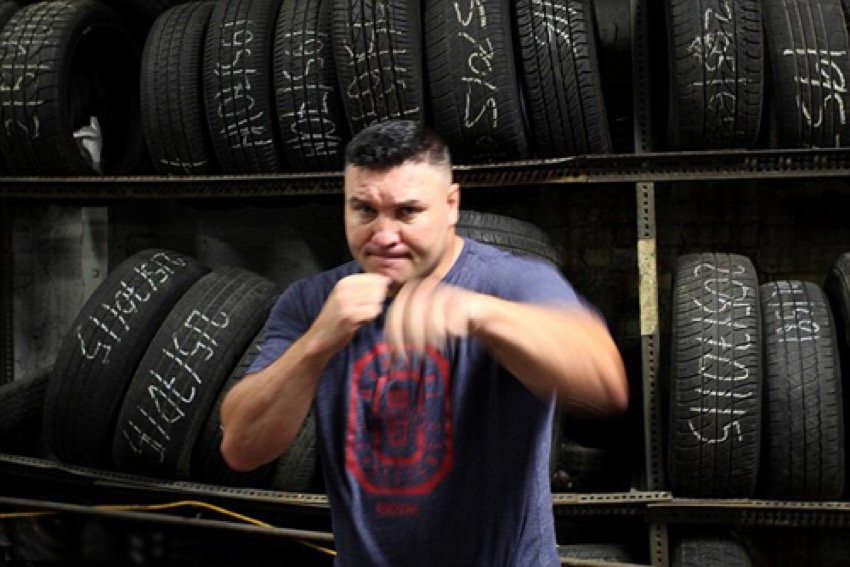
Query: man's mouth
point(387, 261)
point(371, 249)
point(386, 254)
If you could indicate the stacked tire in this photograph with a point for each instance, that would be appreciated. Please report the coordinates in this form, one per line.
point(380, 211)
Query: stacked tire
point(733, 62)
point(710, 548)
point(138, 382)
point(69, 100)
point(716, 73)
point(756, 404)
point(282, 85)
point(103, 348)
point(715, 377)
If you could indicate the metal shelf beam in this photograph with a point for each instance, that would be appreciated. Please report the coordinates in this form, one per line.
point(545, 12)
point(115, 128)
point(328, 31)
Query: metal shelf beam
point(588, 169)
point(776, 513)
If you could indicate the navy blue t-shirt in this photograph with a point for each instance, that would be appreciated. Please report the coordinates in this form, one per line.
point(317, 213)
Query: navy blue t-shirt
point(443, 460)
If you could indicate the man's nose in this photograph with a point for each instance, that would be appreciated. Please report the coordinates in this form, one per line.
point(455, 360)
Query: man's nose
point(386, 232)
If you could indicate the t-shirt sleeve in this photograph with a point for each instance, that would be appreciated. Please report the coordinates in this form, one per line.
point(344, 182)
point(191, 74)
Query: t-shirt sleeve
point(286, 323)
point(537, 282)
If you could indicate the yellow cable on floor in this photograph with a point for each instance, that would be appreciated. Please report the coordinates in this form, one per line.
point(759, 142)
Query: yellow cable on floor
point(183, 503)
point(166, 506)
point(13, 515)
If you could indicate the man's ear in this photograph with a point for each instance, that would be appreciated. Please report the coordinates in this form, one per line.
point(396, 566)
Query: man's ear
point(453, 200)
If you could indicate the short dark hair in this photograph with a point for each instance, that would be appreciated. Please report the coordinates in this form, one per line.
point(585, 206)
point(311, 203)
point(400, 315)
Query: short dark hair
point(393, 142)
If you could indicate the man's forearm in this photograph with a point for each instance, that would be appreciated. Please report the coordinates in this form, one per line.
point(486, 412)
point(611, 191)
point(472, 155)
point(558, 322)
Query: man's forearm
point(262, 414)
point(566, 350)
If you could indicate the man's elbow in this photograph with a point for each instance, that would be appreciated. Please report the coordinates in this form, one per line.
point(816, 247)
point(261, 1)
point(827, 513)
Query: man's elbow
point(235, 455)
point(236, 446)
point(243, 452)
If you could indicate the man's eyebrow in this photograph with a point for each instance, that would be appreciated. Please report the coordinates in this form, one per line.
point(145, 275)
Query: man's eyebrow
point(355, 200)
point(410, 203)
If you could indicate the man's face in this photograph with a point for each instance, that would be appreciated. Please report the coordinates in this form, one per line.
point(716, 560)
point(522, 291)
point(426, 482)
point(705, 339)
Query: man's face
point(400, 221)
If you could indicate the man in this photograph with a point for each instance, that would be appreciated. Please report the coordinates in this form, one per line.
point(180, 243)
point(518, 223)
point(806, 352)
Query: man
point(433, 362)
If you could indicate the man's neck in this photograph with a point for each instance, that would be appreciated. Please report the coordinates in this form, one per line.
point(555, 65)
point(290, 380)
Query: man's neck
point(453, 249)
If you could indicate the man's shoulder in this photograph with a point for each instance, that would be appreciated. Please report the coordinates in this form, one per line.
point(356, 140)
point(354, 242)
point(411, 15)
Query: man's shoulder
point(335, 274)
point(497, 259)
point(503, 273)
point(320, 285)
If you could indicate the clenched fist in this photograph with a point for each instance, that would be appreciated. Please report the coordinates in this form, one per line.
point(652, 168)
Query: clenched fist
point(427, 312)
point(354, 301)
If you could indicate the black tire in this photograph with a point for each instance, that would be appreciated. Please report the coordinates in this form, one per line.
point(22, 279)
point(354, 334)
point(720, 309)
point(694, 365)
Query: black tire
point(172, 95)
point(475, 93)
point(710, 551)
point(173, 389)
point(804, 417)
point(297, 469)
point(67, 63)
point(715, 377)
point(7, 10)
point(509, 234)
point(716, 71)
point(845, 4)
point(589, 469)
point(311, 119)
point(238, 86)
point(837, 289)
point(378, 55)
point(209, 465)
point(810, 60)
point(563, 85)
point(103, 347)
point(21, 409)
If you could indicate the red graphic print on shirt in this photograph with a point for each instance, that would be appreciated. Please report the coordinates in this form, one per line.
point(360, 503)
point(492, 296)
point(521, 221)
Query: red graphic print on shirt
point(399, 436)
